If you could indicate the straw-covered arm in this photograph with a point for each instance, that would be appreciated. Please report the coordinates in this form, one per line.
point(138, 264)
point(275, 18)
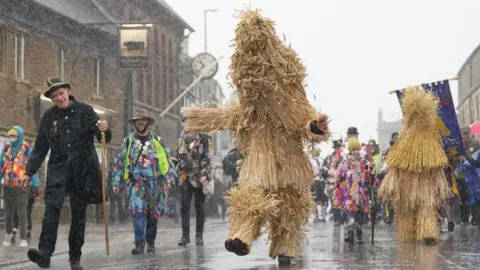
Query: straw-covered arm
point(210, 119)
point(318, 130)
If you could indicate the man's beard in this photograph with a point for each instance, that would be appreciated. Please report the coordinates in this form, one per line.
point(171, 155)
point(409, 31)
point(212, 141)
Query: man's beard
point(141, 130)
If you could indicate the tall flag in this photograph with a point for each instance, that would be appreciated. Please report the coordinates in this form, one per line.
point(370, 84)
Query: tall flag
point(449, 127)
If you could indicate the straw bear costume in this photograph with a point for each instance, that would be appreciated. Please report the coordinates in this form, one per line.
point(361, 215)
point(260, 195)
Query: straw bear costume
point(272, 120)
point(415, 183)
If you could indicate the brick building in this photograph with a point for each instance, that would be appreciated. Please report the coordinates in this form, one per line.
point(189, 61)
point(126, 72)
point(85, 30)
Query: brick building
point(157, 87)
point(39, 39)
point(78, 41)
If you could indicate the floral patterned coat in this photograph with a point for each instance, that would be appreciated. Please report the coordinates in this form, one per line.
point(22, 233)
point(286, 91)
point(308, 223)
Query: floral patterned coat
point(351, 185)
point(146, 176)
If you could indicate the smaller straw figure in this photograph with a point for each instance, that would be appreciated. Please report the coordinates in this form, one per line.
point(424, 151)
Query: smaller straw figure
point(415, 184)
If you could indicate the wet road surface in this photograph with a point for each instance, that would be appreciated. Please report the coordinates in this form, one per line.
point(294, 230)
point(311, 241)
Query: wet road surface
point(326, 250)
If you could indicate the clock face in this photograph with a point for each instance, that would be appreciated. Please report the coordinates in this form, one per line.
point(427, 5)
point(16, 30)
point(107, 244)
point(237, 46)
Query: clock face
point(204, 63)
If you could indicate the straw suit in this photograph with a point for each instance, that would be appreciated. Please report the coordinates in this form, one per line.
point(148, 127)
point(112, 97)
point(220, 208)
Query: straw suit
point(272, 120)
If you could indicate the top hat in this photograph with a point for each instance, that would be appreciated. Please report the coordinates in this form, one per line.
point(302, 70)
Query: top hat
point(53, 84)
point(142, 114)
point(352, 131)
point(372, 142)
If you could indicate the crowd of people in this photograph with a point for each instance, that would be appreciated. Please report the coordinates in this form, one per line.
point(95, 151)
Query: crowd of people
point(346, 196)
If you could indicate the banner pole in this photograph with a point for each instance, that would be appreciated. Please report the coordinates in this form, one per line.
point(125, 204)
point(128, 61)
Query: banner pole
point(456, 78)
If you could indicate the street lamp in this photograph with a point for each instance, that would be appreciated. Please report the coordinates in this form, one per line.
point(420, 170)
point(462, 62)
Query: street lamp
point(205, 23)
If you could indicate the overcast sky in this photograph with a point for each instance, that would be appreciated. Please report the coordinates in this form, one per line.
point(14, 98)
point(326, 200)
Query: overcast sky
point(355, 51)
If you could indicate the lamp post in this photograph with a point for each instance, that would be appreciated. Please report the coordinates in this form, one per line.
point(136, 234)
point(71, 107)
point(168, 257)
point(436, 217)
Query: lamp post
point(205, 24)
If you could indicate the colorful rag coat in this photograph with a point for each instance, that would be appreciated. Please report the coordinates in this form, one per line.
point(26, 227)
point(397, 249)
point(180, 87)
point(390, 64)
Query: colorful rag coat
point(351, 185)
point(151, 174)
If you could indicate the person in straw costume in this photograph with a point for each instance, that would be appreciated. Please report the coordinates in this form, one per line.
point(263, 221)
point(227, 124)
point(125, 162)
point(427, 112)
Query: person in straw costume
point(415, 183)
point(272, 120)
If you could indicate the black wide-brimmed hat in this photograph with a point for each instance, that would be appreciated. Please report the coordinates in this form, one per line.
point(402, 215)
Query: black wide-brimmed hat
point(352, 131)
point(53, 84)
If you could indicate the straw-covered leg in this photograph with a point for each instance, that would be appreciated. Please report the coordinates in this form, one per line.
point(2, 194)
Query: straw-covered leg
point(286, 230)
point(406, 227)
point(428, 229)
point(250, 206)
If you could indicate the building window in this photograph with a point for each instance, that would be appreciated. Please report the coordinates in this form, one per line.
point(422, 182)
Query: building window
point(472, 109)
point(140, 86)
point(156, 71)
point(98, 71)
point(163, 82)
point(2, 47)
point(170, 73)
point(20, 56)
point(477, 109)
point(61, 63)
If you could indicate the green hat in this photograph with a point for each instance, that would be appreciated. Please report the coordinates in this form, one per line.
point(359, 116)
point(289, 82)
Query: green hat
point(315, 152)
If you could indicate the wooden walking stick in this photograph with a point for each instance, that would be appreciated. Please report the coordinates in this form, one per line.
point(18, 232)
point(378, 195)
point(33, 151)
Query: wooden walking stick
point(104, 195)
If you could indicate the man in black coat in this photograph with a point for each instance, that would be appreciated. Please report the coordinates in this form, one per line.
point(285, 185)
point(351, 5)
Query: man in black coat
point(67, 130)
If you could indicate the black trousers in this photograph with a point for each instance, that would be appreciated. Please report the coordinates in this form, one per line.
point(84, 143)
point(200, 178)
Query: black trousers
point(16, 220)
point(188, 191)
point(117, 209)
point(464, 194)
point(475, 210)
point(76, 237)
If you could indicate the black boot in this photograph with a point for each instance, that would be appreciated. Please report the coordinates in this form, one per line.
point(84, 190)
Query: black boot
point(29, 236)
point(359, 236)
point(284, 260)
point(451, 225)
point(199, 239)
point(12, 241)
point(75, 264)
point(236, 246)
point(350, 236)
point(150, 248)
point(185, 240)
point(139, 249)
point(429, 241)
point(42, 260)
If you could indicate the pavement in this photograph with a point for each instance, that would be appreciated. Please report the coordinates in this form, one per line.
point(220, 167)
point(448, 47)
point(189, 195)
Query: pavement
point(325, 250)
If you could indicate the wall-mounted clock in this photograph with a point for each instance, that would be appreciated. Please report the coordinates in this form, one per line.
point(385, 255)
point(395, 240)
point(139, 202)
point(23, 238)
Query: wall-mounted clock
point(201, 62)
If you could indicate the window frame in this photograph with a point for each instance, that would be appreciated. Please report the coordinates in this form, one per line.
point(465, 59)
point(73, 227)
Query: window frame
point(20, 59)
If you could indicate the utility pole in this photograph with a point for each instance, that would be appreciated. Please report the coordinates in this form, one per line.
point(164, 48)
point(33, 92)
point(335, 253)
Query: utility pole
point(205, 24)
